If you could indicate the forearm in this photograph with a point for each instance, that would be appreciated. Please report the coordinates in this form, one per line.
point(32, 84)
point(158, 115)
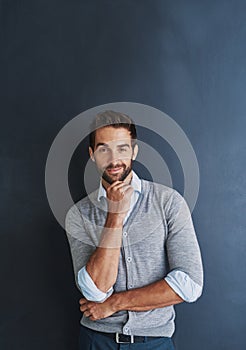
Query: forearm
point(153, 296)
point(156, 295)
point(103, 263)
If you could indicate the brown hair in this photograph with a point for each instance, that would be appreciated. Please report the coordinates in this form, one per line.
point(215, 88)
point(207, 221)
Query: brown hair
point(114, 119)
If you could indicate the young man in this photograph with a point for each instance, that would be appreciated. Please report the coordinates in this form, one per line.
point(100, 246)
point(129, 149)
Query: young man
point(134, 248)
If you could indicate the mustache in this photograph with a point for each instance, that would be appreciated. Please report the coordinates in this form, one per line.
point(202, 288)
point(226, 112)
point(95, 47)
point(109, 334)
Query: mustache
point(110, 166)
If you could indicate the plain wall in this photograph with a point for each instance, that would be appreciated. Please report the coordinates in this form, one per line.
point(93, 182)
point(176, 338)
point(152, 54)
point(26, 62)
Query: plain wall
point(59, 58)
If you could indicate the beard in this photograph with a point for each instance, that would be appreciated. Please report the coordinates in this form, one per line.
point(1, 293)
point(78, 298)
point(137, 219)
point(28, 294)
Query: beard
point(118, 177)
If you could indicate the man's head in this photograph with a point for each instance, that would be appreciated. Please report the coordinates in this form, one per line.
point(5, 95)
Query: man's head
point(113, 145)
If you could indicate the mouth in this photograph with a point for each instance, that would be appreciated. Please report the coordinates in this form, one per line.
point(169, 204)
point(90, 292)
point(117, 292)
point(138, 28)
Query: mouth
point(114, 171)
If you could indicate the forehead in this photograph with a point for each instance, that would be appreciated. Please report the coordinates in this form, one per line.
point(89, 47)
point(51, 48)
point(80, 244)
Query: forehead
point(110, 134)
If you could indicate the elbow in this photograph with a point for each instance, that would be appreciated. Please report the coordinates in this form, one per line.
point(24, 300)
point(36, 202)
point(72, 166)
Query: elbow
point(93, 294)
point(184, 286)
point(195, 295)
point(89, 289)
point(91, 297)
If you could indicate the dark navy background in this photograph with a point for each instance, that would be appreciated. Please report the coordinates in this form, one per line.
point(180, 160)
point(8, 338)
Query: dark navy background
point(59, 58)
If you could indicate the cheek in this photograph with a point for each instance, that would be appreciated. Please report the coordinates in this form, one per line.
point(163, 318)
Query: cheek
point(101, 165)
point(126, 158)
point(127, 164)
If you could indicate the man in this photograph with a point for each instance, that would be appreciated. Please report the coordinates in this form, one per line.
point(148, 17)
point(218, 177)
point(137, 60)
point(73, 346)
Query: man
point(134, 248)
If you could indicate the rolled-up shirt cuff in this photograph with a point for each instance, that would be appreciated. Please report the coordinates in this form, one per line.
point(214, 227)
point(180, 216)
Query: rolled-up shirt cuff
point(89, 289)
point(183, 285)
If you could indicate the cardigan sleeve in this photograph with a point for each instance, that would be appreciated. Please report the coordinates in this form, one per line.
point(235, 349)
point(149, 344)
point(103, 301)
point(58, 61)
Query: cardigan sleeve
point(81, 245)
point(182, 245)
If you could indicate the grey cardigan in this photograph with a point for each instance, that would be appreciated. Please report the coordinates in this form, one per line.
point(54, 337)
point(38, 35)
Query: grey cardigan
point(159, 237)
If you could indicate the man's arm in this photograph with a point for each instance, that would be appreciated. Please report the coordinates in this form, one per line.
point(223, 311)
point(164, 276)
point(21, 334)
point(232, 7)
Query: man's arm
point(102, 266)
point(152, 296)
point(155, 295)
point(82, 247)
point(183, 285)
point(103, 263)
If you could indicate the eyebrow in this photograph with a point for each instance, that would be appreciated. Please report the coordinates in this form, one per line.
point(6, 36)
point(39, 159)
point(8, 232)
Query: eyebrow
point(106, 145)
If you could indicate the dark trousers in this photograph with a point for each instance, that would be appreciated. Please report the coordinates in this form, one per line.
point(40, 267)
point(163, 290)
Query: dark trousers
point(90, 340)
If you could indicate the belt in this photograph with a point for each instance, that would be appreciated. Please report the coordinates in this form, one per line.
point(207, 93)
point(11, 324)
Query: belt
point(126, 339)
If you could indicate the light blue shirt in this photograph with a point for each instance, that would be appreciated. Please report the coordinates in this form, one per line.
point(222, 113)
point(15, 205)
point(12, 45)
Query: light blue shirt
point(178, 280)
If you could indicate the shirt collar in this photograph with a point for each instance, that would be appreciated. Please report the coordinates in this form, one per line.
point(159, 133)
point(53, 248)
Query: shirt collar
point(135, 183)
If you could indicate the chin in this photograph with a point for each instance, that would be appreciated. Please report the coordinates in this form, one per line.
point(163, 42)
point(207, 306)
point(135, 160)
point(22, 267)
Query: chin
point(115, 178)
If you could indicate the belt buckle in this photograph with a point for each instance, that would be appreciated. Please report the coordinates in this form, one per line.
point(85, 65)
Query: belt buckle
point(117, 339)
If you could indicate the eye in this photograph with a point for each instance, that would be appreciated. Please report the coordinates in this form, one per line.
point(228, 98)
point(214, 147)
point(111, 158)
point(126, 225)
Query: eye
point(103, 150)
point(123, 149)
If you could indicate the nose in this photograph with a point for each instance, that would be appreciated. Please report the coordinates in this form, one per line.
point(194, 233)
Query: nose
point(113, 156)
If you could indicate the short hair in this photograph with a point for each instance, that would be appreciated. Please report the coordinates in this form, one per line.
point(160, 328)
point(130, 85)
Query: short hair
point(112, 119)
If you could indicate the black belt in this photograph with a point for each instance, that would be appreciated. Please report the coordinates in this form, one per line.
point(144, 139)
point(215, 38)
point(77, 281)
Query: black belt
point(124, 338)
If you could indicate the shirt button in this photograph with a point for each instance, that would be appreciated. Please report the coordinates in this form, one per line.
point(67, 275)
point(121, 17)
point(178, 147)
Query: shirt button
point(129, 259)
point(125, 234)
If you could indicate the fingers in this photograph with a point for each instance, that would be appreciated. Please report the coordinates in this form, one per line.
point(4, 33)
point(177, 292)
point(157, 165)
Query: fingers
point(83, 308)
point(116, 185)
point(84, 304)
point(119, 190)
point(89, 309)
point(92, 318)
point(122, 187)
point(87, 313)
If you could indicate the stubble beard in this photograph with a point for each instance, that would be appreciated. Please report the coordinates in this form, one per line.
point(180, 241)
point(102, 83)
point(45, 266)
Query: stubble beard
point(111, 179)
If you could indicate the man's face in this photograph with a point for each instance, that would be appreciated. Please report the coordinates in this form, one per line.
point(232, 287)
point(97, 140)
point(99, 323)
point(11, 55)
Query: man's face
point(113, 153)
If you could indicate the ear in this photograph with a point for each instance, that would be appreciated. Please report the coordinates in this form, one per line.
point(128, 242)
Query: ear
point(135, 152)
point(91, 154)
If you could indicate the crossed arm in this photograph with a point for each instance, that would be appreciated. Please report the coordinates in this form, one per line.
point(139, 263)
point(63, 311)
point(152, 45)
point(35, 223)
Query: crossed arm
point(152, 296)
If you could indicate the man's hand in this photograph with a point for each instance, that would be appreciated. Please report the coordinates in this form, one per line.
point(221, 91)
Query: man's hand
point(96, 311)
point(119, 198)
